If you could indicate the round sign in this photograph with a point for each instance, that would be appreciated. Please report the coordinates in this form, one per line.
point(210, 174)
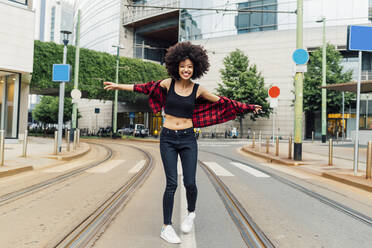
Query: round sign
point(274, 92)
point(76, 94)
point(300, 56)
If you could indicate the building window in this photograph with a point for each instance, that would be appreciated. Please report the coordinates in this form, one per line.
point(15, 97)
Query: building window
point(52, 23)
point(9, 99)
point(24, 2)
point(256, 21)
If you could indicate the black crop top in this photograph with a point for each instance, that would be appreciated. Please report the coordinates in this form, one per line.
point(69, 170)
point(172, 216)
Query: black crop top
point(180, 106)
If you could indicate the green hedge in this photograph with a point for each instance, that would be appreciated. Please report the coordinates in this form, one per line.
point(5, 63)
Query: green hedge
point(93, 65)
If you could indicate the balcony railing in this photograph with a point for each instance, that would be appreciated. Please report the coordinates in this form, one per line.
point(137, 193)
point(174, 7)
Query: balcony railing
point(133, 14)
point(23, 2)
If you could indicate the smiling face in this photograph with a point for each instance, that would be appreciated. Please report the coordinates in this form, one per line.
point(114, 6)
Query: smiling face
point(186, 69)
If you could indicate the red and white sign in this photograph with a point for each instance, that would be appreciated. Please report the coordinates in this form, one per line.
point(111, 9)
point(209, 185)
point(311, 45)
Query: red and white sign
point(274, 92)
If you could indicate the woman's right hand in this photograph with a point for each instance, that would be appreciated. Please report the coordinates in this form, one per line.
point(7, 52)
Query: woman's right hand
point(111, 86)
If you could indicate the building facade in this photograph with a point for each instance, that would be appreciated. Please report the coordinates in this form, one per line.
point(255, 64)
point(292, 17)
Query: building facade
point(16, 62)
point(267, 38)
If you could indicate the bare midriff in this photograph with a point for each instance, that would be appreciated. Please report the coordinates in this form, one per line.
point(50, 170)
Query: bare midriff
point(177, 123)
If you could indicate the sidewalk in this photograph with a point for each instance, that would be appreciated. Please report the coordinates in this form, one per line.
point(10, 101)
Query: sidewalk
point(39, 155)
point(315, 160)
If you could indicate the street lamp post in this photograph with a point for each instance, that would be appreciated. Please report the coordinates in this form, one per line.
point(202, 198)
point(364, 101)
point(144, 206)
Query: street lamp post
point(324, 75)
point(114, 124)
point(65, 34)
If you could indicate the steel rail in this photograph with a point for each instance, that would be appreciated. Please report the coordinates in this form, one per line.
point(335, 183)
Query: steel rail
point(252, 235)
point(4, 199)
point(86, 233)
point(334, 204)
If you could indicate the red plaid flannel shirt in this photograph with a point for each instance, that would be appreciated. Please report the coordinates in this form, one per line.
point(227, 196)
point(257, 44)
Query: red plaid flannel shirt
point(205, 114)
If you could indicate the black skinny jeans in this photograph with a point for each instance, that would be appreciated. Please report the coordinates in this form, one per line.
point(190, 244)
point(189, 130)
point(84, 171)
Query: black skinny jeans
point(172, 143)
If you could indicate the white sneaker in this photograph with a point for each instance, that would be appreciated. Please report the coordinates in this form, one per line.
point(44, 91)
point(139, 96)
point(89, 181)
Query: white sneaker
point(169, 235)
point(188, 223)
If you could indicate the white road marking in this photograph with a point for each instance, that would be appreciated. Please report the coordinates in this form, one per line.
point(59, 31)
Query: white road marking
point(188, 240)
point(218, 169)
point(66, 167)
point(138, 166)
point(105, 167)
point(250, 170)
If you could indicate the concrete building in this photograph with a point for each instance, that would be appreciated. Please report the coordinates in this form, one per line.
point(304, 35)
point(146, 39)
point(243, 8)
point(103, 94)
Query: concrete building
point(268, 39)
point(16, 62)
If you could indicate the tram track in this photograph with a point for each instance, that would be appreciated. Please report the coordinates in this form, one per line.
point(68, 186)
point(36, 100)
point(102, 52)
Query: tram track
point(88, 231)
point(252, 235)
point(334, 204)
point(6, 198)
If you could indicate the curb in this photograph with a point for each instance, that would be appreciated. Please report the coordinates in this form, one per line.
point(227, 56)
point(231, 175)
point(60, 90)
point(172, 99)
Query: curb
point(68, 157)
point(335, 177)
point(144, 140)
point(15, 171)
point(271, 158)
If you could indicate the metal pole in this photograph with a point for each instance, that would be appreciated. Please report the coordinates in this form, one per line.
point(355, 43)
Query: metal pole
point(143, 49)
point(116, 91)
point(55, 142)
point(324, 83)
point(369, 160)
point(277, 147)
point(78, 137)
point(253, 140)
point(2, 147)
point(290, 148)
point(61, 102)
point(24, 154)
point(273, 125)
point(76, 71)
point(366, 112)
point(330, 152)
point(74, 147)
point(267, 144)
point(356, 141)
point(298, 88)
point(68, 140)
point(312, 136)
point(343, 115)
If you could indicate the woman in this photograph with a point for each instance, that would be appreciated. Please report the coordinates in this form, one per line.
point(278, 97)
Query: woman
point(187, 105)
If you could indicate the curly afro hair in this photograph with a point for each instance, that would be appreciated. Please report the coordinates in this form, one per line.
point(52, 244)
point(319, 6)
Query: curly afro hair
point(185, 50)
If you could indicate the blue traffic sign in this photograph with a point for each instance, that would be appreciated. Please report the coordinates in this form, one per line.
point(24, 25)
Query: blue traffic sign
point(300, 56)
point(61, 72)
point(359, 38)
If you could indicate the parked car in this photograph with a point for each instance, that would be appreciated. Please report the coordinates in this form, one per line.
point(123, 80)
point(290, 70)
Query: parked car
point(127, 130)
point(140, 130)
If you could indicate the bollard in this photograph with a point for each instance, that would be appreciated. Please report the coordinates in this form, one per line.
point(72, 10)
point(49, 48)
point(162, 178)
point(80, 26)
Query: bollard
point(267, 144)
point(369, 158)
point(337, 137)
point(330, 153)
point(78, 137)
point(24, 154)
point(277, 146)
point(254, 140)
point(290, 148)
point(2, 147)
point(259, 141)
point(312, 136)
point(68, 140)
point(75, 135)
point(55, 142)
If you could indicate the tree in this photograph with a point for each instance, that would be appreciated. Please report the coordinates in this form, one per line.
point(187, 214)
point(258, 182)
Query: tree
point(312, 93)
point(46, 111)
point(313, 81)
point(242, 82)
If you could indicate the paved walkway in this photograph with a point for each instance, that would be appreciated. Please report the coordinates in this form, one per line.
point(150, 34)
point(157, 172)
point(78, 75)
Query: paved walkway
point(39, 155)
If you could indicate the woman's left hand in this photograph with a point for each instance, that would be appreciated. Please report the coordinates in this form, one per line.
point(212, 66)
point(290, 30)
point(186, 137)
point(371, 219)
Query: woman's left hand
point(257, 109)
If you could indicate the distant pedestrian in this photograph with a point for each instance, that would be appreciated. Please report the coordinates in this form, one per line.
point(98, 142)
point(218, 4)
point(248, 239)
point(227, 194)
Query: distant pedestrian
point(187, 105)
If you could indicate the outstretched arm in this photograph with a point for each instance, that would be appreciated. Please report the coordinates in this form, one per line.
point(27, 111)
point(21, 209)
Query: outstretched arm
point(114, 86)
point(213, 98)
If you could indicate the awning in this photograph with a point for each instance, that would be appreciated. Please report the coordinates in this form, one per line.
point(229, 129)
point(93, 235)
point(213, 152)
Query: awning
point(365, 87)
